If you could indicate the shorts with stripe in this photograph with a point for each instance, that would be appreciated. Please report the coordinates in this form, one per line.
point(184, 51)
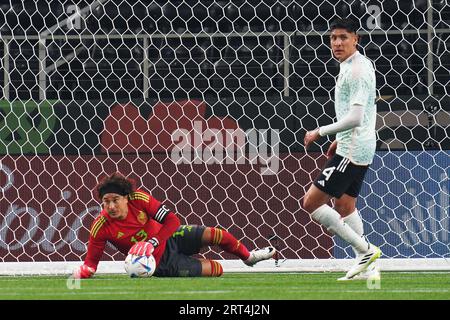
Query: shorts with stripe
point(176, 260)
point(340, 176)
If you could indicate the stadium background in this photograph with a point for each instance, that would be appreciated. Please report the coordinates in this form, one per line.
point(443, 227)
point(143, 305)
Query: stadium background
point(97, 114)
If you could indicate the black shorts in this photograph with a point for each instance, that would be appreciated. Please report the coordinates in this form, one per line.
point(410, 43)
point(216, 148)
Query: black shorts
point(341, 176)
point(176, 260)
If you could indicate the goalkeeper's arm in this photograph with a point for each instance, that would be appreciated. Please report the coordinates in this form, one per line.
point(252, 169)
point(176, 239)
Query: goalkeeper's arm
point(170, 224)
point(95, 249)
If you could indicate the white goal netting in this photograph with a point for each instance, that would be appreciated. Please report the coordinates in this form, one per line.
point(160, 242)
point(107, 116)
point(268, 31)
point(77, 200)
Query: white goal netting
point(205, 104)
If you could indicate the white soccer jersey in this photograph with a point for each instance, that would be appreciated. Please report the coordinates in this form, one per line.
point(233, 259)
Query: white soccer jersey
point(356, 85)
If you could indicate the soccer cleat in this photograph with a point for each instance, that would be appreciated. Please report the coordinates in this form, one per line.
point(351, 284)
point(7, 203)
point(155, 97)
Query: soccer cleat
point(363, 261)
point(372, 273)
point(259, 255)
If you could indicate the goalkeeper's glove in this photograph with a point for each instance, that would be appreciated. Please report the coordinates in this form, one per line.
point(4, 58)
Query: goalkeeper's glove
point(142, 249)
point(83, 272)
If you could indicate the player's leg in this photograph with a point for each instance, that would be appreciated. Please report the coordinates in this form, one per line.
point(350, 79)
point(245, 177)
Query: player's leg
point(227, 242)
point(177, 264)
point(186, 266)
point(174, 263)
point(340, 176)
point(315, 202)
point(177, 261)
point(331, 219)
point(346, 206)
point(211, 268)
point(191, 239)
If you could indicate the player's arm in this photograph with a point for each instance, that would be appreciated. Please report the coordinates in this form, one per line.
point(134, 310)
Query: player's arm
point(332, 149)
point(95, 249)
point(169, 220)
point(358, 84)
point(353, 119)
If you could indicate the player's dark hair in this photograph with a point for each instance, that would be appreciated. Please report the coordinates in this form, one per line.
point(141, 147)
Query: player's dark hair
point(115, 183)
point(348, 24)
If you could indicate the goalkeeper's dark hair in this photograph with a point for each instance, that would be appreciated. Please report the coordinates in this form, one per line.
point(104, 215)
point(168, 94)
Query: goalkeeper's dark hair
point(346, 23)
point(115, 183)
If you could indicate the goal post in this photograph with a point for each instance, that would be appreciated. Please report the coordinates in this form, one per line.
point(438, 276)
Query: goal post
point(205, 104)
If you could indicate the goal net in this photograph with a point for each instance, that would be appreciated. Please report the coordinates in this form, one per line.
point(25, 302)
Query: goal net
point(205, 104)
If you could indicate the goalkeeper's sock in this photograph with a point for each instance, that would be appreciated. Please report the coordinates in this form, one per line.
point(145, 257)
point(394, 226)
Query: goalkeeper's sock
point(355, 222)
point(216, 268)
point(331, 219)
point(229, 243)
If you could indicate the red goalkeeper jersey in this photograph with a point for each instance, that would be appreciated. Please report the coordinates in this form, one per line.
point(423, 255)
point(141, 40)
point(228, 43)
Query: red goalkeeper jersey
point(146, 218)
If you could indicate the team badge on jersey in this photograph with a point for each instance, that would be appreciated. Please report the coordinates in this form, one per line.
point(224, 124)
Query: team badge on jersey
point(142, 217)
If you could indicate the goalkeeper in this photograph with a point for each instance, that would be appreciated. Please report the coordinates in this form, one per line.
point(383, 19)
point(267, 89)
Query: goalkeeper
point(351, 153)
point(134, 222)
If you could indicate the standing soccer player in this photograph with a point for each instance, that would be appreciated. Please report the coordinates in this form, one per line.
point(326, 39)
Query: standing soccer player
point(135, 222)
point(351, 153)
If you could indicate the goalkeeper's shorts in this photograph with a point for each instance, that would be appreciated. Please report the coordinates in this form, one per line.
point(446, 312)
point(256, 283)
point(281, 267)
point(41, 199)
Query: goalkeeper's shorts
point(176, 260)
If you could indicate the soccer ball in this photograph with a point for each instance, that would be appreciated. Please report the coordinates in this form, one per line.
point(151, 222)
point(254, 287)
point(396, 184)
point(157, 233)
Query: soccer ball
point(140, 266)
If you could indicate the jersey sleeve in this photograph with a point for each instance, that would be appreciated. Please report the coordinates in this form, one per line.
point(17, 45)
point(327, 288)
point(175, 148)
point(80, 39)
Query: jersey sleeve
point(358, 83)
point(96, 244)
point(154, 208)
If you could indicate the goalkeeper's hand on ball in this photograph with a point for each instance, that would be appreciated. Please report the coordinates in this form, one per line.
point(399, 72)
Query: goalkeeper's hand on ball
point(144, 248)
point(83, 272)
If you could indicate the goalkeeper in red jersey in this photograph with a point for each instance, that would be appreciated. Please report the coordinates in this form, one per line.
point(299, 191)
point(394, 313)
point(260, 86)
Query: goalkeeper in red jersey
point(135, 222)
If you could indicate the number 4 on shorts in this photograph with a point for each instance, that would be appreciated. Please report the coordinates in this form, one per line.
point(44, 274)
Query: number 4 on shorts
point(327, 172)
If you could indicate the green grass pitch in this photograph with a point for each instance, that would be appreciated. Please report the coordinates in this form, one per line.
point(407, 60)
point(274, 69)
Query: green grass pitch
point(233, 286)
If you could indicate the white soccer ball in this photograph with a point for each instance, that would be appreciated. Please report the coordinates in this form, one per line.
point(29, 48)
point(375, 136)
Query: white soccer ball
point(140, 266)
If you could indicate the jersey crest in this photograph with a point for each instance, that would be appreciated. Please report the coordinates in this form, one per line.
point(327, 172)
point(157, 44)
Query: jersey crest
point(142, 217)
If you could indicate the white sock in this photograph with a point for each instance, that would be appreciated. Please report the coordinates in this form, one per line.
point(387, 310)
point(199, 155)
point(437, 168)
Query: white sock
point(354, 221)
point(330, 218)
